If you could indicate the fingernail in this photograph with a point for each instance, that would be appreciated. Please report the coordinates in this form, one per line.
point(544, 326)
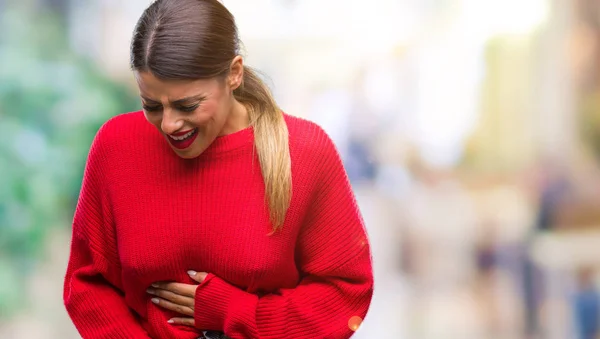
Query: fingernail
point(155, 300)
point(150, 290)
point(192, 273)
point(170, 321)
point(155, 285)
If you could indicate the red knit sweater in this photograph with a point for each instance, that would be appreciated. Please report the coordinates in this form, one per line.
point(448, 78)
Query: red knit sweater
point(145, 215)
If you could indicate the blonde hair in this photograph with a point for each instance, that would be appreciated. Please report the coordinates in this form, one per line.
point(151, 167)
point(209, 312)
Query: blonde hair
point(271, 140)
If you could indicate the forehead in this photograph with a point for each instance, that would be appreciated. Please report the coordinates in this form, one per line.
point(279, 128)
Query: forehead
point(170, 90)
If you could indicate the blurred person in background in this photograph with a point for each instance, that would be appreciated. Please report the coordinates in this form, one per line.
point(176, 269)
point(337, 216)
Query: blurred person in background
point(586, 305)
point(554, 188)
point(211, 213)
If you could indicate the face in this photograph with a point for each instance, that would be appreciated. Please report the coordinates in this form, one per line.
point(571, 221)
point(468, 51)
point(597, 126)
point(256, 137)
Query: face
point(191, 114)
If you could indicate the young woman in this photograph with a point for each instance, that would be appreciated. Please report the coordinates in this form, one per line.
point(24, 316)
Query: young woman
point(211, 211)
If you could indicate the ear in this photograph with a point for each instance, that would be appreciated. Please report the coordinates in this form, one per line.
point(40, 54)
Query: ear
point(236, 73)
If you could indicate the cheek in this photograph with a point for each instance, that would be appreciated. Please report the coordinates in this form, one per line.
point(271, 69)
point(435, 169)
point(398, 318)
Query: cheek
point(154, 119)
point(212, 111)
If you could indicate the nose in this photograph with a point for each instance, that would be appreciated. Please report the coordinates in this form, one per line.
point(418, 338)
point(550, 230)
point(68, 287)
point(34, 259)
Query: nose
point(171, 122)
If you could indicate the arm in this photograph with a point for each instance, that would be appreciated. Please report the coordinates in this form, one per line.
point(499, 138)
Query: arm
point(92, 288)
point(337, 284)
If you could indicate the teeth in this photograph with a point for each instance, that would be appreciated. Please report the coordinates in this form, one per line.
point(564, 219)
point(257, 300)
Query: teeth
point(183, 137)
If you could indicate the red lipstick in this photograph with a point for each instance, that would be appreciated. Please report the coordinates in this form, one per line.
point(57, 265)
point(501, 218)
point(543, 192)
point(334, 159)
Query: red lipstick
point(185, 139)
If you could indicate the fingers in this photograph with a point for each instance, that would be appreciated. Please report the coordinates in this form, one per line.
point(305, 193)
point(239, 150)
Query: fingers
point(185, 310)
point(178, 297)
point(173, 297)
point(198, 276)
point(177, 288)
point(182, 321)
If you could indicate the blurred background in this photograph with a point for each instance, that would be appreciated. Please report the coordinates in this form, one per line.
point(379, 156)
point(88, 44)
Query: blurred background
point(470, 130)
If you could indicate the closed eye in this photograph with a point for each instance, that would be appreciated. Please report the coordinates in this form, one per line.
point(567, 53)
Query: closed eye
point(152, 108)
point(188, 109)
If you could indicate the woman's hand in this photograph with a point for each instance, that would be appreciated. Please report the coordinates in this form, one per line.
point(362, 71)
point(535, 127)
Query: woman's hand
point(178, 297)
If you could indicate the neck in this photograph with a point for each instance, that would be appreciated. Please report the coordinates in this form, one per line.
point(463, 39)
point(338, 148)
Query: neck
point(238, 119)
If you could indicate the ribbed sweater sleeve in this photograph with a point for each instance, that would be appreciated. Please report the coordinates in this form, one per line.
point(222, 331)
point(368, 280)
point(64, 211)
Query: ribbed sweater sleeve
point(333, 257)
point(93, 290)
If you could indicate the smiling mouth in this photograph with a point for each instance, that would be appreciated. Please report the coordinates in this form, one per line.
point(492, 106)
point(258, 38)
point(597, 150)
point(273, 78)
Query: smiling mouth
point(184, 141)
point(184, 136)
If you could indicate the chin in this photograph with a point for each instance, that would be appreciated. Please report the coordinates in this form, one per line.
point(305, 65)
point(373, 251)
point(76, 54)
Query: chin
point(190, 153)
point(187, 154)
point(194, 150)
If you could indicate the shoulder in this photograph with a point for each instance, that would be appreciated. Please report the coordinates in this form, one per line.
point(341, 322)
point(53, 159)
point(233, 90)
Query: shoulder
point(108, 141)
point(126, 123)
point(307, 137)
point(132, 125)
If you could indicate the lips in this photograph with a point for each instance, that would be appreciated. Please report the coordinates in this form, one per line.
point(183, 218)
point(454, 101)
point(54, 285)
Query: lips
point(182, 135)
point(183, 140)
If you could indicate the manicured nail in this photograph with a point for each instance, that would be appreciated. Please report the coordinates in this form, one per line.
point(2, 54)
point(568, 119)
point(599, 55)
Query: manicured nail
point(192, 273)
point(150, 290)
point(170, 321)
point(155, 300)
point(155, 285)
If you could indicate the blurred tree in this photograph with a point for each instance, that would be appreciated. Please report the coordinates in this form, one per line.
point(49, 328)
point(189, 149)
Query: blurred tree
point(51, 104)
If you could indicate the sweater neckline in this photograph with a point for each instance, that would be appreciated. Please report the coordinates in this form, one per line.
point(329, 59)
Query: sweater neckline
point(230, 142)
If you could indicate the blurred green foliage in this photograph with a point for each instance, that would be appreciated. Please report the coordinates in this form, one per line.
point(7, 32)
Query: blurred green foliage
point(51, 104)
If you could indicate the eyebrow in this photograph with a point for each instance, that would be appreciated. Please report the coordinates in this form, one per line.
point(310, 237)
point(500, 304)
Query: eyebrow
point(199, 97)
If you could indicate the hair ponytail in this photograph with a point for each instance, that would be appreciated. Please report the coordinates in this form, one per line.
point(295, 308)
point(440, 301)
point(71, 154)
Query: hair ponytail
point(271, 140)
